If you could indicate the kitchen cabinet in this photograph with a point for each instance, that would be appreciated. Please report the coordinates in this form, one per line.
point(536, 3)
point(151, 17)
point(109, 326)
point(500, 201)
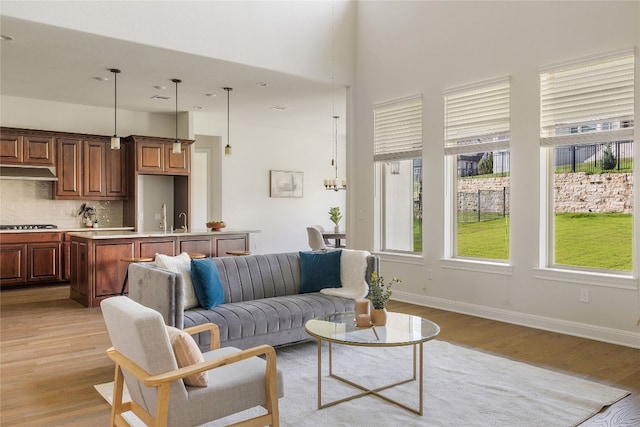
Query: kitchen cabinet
point(231, 243)
point(155, 156)
point(98, 273)
point(148, 248)
point(88, 169)
point(30, 258)
point(26, 149)
point(13, 264)
point(68, 168)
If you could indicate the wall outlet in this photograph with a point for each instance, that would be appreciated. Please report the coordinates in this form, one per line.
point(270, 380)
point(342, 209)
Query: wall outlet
point(429, 274)
point(584, 295)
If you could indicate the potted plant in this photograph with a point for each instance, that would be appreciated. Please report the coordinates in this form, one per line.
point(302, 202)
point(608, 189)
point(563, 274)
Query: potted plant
point(379, 294)
point(89, 215)
point(335, 216)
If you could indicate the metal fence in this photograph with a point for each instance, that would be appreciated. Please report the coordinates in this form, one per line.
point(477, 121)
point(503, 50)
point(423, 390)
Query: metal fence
point(588, 158)
point(483, 205)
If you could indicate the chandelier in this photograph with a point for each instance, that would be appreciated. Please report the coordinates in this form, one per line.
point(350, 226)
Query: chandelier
point(334, 183)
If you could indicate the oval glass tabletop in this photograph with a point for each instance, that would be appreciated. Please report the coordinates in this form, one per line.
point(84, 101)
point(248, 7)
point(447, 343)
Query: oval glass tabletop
point(401, 329)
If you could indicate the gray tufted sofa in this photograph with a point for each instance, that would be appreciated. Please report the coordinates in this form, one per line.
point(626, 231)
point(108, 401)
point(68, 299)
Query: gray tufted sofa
point(261, 300)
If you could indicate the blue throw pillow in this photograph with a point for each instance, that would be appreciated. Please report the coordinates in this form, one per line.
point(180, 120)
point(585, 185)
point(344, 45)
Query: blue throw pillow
point(206, 282)
point(319, 270)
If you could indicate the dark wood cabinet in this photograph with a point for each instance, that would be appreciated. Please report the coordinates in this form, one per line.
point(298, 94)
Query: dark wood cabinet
point(155, 156)
point(231, 243)
point(29, 258)
point(65, 253)
point(149, 248)
point(69, 168)
point(44, 264)
point(13, 264)
point(88, 169)
point(197, 245)
point(94, 182)
point(29, 149)
point(97, 271)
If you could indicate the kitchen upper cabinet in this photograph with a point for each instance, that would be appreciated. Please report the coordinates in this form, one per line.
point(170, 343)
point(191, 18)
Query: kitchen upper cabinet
point(68, 168)
point(28, 149)
point(89, 169)
point(155, 156)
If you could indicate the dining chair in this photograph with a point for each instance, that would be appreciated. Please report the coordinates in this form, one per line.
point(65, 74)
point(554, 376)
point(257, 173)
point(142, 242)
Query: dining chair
point(316, 242)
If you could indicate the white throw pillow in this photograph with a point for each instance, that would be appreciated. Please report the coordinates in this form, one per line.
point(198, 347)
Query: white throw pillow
point(353, 266)
point(181, 264)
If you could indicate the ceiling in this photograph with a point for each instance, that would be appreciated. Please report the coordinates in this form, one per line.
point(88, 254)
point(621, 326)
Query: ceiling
point(51, 63)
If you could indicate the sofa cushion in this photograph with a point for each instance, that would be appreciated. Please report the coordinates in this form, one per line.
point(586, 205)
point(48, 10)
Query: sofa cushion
point(187, 353)
point(319, 270)
point(206, 282)
point(273, 321)
point(180, 264)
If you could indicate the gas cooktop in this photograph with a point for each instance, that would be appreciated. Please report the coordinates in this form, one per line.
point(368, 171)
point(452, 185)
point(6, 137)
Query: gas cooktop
point(27, 226)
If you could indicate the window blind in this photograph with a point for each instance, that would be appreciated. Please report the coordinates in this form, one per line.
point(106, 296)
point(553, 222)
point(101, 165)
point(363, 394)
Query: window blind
point(398, 129)
point(477, 117)
point(588, 102)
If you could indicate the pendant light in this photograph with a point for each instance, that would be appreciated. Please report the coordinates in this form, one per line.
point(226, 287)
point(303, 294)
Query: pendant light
point(177, 146)
point(115, 139)
point(227, 148)
point(334, 184)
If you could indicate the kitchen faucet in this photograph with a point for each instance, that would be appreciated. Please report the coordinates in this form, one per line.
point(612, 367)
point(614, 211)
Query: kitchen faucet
point(184, 227)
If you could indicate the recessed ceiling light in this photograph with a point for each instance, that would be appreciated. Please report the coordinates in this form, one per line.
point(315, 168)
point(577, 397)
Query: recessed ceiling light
point(162, 97)
point(278, 108)
point(213, 95)
point(197, 107)
point(101, 79)
point(160, 87)
point(262, 84)
point(6, 38)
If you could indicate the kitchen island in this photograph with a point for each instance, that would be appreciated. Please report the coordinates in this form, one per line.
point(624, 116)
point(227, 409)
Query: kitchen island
point(97, 271)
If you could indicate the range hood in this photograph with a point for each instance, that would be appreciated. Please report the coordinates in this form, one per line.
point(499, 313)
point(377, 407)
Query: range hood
point(31, 173)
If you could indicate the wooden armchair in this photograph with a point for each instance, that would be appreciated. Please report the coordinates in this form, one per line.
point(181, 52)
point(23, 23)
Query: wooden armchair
point(145, 361)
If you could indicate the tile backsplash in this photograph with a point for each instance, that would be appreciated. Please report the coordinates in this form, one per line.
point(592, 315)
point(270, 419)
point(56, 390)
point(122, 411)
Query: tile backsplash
point(31, 202)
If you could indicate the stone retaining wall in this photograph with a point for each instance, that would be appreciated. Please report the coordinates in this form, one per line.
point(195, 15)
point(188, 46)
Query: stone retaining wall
point(575, 192)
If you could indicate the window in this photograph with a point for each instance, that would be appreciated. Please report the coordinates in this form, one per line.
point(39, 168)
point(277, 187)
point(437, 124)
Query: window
point(477, 133)
point(586, 137)
point(398, 167)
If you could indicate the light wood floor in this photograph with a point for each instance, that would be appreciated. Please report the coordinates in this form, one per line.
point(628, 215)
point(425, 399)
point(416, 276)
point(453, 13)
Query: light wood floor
point(53, 352)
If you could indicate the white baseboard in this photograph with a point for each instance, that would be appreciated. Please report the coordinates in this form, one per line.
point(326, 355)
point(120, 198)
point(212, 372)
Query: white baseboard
point(598, 333)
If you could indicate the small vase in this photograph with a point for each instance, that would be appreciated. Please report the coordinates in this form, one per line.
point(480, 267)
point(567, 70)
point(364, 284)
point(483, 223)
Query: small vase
point(379, 316)
point(336, 229)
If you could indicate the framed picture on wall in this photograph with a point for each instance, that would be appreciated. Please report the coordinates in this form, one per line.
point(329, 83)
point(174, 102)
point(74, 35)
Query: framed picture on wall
point(286, 184)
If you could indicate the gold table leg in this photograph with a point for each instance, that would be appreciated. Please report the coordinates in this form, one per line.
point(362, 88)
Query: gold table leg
point(367, 391)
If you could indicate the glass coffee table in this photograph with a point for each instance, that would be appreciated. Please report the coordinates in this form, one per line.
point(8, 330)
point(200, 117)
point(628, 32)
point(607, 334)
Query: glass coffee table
point(401, 330)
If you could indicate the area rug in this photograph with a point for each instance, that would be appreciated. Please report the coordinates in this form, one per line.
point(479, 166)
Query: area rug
point(462, 387)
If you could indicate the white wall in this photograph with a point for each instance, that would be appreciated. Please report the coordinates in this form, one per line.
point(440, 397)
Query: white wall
point(290, 36)
point(47, 115)
point(408, 48)
point(245, 199)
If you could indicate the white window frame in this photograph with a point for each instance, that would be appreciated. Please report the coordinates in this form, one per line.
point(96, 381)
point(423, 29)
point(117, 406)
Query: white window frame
point(496, 133)
point(404, 142)
point(548, 141)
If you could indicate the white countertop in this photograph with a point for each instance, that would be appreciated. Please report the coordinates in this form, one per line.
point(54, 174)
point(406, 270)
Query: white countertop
point(100, 234)
point(66, 230)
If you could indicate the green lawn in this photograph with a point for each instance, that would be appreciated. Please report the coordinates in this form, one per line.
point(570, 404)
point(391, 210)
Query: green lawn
point(598, 240)
point(594, 240)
